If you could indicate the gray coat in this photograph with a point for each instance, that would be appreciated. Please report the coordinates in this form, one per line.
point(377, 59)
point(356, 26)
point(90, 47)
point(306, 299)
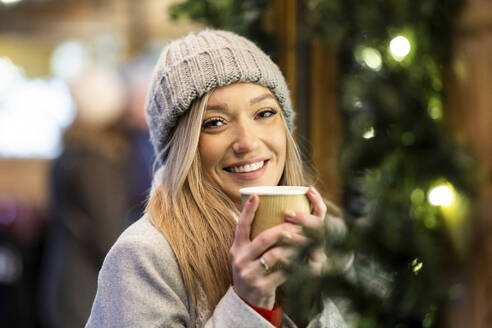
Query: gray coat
point(140, 285)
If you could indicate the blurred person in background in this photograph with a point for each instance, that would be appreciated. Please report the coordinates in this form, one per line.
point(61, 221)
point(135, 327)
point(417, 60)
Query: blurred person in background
point(98, 186)
point(137, 75)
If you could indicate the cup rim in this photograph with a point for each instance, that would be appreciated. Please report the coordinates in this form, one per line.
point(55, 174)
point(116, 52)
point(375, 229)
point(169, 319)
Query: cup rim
point(274, 190)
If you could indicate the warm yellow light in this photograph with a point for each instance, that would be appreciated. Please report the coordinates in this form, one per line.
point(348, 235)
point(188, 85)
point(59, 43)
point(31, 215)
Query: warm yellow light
point(456, 219)
point(442, 195)
point(399, 47)
point(372, 58)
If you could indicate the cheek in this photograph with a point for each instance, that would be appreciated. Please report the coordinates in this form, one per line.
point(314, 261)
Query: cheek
point(278, 140)
point(210, 151)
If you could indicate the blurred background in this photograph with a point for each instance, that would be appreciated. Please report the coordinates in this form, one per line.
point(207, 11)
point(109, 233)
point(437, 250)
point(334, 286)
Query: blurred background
point(394, 107)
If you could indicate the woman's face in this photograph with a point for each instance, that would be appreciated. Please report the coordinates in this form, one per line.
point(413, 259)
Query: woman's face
point(243, 138)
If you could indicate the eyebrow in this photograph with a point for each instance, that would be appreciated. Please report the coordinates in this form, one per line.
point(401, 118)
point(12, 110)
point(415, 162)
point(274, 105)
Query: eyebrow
point(260, 98)
point(252, 101)
point(218, 107)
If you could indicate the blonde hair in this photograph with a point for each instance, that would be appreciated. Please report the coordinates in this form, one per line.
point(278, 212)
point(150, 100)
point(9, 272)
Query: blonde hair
point(195, 215)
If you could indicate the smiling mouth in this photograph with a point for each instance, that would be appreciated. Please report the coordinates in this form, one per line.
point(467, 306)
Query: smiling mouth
point(246, 168)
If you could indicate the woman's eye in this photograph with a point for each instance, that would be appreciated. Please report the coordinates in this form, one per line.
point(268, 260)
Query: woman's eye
point(266, 113)
point(213, 123)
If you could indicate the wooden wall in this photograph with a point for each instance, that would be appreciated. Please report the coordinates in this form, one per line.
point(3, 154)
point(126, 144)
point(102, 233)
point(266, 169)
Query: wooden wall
point(468, 112)
point(311, 70)
point(325, 126)
point(469, 96)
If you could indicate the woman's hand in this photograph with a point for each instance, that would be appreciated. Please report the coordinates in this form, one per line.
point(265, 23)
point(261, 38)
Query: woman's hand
point(314, 221)
point(254, 281)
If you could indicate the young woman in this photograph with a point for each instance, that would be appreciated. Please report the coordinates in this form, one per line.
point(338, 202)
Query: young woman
point(221, 118)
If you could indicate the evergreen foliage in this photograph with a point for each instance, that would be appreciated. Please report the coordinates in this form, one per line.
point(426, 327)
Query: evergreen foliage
point(409, 186)
point(246, 17)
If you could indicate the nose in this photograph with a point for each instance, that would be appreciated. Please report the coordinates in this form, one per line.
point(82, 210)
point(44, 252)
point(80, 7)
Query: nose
point(245, 138)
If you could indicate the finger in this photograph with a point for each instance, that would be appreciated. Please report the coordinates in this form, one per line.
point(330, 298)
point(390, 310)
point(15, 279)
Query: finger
point(277, 258)
point(270, 237)
point(309, 221)
point(319, 206)
point(293, 239)
point(243, 227)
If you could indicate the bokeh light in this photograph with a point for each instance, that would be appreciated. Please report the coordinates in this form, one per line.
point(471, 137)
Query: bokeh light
point(369, 133)
point(357, 103)
point(399, 47)
point(435, 108)
point(417, 196)
point(10, 2)
point(372, 58)
point(417, 266)
point(69, 60)
point(10, 75)
point(33, 115)
point(369, 57)
point(441, 195)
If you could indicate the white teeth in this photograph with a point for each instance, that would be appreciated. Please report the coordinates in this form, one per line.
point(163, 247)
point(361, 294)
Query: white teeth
point(247, 168)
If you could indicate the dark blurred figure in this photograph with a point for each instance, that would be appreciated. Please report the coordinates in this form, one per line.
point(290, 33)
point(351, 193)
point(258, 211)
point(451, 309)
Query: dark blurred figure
point(137, 75)
point(99, 186)
point(21, 227)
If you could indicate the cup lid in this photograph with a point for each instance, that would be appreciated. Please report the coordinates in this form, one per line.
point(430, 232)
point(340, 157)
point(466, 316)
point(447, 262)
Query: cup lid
point(274, 190)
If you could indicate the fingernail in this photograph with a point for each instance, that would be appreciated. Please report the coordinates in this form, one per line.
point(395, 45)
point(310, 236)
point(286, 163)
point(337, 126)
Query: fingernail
point(292, 214)
point(250, 199)
point(298, 228)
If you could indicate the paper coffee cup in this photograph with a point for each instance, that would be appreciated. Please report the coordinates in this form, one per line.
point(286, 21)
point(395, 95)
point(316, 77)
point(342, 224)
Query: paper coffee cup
point(274, 201)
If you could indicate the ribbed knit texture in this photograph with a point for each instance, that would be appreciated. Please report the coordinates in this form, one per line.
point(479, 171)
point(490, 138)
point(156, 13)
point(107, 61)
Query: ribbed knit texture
point(194, 65)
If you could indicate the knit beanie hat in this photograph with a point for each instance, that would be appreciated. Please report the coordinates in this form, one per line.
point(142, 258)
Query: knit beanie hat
point(190, 67)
